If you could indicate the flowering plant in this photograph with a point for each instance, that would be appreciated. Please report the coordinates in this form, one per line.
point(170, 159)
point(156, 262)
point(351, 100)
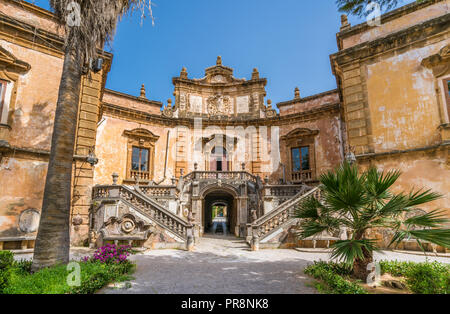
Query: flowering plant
point(109, 254)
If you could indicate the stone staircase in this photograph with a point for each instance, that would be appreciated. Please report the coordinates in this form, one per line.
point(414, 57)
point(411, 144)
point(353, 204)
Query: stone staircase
point(128, 214)
point(271, 229)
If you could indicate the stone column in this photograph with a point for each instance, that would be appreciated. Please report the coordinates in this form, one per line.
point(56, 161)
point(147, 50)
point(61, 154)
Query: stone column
point(83, 172)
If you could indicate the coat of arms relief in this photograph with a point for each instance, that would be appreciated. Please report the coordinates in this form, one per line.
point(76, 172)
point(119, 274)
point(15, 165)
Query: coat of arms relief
point(219, 105)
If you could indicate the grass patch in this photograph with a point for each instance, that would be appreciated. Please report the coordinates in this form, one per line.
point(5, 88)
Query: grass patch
point(420, 278)
point(16, 277)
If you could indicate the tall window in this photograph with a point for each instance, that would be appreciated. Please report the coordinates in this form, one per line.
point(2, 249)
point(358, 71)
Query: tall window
point(219, 160)
point(447, 95)
point(2, 102)
point(300, 159)
point(139, 160)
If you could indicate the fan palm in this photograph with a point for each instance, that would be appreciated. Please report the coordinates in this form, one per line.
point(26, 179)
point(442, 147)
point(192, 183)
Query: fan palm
point(359, 203)
point(88, 25)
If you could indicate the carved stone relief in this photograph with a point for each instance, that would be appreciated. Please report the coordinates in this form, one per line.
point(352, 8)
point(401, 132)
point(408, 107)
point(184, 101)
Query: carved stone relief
point(219, 105)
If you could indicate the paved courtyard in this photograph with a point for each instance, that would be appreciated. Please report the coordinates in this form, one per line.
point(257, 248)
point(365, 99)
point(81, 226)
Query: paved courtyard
point(227, 266)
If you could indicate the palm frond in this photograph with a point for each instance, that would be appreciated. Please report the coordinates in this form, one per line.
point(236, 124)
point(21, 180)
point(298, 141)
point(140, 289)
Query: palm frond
point(378, 183)
point(308, 209)
point(348, 251)
point(96, 23)
point(437, 236)
point(419, 197)
point(344, 189)
point(311, 228)
point(431, 219)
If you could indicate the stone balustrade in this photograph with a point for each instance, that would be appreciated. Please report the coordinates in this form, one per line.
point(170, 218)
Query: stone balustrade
point(145, 206)
point(263, 226)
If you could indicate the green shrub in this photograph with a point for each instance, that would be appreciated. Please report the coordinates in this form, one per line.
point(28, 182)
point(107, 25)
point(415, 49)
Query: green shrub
point(429, 278)
point(396, 268)
point(330, 274)
point(421, 278)
point(53, 280)
point(6, 259)
point(6, 262)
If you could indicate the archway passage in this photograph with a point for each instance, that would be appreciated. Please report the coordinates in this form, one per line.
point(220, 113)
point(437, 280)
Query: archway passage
point(219, 211)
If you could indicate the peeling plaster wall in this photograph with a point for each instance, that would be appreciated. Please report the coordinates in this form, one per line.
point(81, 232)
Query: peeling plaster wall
point(398, 24)
point(131, 102)
point(21, 188)
point(309, 103)
point(328, 152)
point(111, 150)
point(31, 14)
point(403, 106)
point(37, 95)
point(419, 170)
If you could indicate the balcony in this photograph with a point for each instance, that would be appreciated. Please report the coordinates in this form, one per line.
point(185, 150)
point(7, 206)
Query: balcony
point(303, 176)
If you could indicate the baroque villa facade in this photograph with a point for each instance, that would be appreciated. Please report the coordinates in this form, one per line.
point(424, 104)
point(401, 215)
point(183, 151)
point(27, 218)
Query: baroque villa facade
point(156, 174)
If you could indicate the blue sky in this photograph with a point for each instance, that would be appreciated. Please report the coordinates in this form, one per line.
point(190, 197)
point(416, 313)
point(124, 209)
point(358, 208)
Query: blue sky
point(289, 41)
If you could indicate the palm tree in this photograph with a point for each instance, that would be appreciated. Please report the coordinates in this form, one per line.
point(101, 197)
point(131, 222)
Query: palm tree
point(358, 7)
point(88, 25)
point(360, 203)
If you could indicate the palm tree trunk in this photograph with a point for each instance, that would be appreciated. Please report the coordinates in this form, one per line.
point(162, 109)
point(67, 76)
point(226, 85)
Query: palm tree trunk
point(53, 238)
point(360, 266)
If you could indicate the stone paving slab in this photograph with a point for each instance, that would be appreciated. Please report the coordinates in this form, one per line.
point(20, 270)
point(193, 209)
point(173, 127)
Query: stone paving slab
point(227, 266)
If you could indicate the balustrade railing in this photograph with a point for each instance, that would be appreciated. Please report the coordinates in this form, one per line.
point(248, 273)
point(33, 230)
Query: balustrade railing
point(146, 206)
point(303, 176)
point(158, 190)
point(261, 227)
point(283, 190)
point(141, 175)
point(222, 175)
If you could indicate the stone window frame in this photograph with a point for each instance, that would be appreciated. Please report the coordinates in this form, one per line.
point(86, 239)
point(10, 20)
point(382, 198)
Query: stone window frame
point(11, 69)
point(301, 137)
point(3, 104)
point(144, 139)
point(444, 82)
point(439, 64)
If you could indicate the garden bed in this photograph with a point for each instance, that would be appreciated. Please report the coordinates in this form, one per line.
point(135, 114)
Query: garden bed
point(109, 264)
point(396, 278)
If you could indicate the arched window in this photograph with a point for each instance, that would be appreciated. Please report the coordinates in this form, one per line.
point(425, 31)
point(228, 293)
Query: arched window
point(219, 159)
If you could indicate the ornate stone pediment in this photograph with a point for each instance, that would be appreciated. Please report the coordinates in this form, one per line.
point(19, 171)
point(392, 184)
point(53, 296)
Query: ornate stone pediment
point(141, 134)
point(300, 132)
point(439, 63)
point(10, 63)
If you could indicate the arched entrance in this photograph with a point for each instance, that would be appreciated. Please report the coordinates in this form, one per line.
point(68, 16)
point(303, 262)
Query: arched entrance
point(219, 211)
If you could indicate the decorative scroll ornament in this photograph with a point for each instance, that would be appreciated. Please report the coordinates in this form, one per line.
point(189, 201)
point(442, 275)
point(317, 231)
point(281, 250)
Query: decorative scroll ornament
point(169, 110)
point(219, 104)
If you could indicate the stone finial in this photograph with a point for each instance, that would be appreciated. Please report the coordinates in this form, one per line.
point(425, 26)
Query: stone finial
point(255, 74)
point(219, 61)
point(344, 22)
point(142, 91)
point(115, 176)
point(169, 103)
point(184, 73)
point(297, 93)
point(269, 104)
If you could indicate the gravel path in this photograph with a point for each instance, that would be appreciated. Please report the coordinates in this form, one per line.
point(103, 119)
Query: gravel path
point(227, 266)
